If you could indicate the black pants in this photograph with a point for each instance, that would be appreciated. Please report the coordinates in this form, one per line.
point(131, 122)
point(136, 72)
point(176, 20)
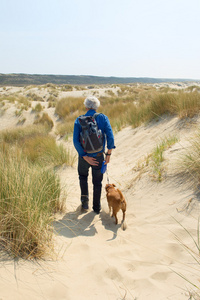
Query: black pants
point(97, 177)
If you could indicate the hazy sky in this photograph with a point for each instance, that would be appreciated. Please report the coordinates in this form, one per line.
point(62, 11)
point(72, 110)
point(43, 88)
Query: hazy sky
point(128, 38)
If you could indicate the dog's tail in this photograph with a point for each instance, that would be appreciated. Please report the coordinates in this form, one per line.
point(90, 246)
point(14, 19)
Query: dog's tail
point(124, 225)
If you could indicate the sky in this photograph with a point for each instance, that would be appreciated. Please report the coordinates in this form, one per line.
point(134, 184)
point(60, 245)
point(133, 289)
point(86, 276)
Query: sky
point(122, 38)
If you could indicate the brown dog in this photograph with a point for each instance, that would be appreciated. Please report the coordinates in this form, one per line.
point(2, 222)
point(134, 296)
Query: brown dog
point(116, 201)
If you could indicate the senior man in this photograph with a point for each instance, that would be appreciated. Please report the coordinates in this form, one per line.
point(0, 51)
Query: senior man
point(93, 160)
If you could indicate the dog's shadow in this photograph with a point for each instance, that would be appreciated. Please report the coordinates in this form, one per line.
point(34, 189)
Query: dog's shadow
point(79, 223)
point(76, 223)
point(109, 223)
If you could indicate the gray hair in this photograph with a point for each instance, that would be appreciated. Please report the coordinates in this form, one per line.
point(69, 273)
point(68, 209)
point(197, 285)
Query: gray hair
point(91, 102)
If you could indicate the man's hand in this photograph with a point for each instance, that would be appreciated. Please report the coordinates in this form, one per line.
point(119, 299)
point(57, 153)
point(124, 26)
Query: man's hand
point(108, 157)
point(91, 160)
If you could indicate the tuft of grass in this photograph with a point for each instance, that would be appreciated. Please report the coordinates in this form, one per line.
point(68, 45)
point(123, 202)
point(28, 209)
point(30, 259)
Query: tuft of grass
point(37, 146)
point(190, 161)
point(38, 108)
point(29, 196)
point(30, 191)
point(195, 254)
point(34, 97)
point(51, 99)
point(134, 105)
point(45, 120)
point(21, 121)
point(65, 128)
point(43, 150)
point(66, 87)
point(188, 104)
point(157, 156)
point(18, 113)
point(12, 136)
point(68, 105)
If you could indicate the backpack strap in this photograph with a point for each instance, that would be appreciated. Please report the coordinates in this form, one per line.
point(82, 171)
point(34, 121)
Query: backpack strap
point(95, 115)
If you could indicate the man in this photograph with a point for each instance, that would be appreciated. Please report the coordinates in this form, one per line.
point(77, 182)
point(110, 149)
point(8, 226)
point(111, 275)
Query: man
point(93, 160)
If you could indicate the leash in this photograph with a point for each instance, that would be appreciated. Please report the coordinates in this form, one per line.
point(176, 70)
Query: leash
point(105, 169)
point(107, 175)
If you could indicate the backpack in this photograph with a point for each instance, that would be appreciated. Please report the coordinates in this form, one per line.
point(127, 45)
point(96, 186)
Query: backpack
point(91, 137)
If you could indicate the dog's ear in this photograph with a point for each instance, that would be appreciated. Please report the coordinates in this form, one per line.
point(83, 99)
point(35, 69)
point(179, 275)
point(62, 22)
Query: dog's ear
point(113, 185)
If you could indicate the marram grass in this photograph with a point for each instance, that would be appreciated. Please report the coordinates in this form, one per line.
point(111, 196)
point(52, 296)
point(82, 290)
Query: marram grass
point(30, 191)
point(37, 146)
point(132, 107)
point(156, 158)
point(29, 196)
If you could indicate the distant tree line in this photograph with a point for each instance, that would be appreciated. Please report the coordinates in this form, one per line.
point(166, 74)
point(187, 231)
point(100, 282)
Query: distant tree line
point(37, 79)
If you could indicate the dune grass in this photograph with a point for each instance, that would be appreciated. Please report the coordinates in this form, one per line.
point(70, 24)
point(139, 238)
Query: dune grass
point(67, 106)
point(11, 136)
point(190, 161)
point(37, 146)
point(134, 106)
point(38, 108)
point(45, 120)
point(28, 197)
point(20, 101)
point(154, 161)
point(189, 170)
point(194, 252)
point(156, 158)
point(30, 191)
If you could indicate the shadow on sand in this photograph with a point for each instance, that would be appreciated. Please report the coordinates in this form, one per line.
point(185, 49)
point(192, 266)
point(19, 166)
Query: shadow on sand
point(80, 223)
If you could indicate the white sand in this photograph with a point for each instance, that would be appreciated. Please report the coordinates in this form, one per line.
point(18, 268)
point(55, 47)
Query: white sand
point(96, 258)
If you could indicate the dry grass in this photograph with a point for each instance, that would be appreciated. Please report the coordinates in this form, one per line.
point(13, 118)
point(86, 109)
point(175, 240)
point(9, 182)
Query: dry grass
point(45, 120)
point(28, 197)
point(29, 189)
point(38, 108)
point(194, 252)
point(134, 106)
point(156, 158)
point(37, 145)
point(190, 161)
point(67, 106)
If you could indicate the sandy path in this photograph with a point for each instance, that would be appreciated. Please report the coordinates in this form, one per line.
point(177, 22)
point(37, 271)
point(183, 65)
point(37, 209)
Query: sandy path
point(95, 258)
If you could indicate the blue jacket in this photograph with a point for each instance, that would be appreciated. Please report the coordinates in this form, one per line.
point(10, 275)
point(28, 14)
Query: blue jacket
point(103, 124)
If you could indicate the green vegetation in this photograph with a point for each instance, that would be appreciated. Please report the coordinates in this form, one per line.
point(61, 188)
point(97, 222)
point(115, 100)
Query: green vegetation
point(156, 158)
point(38, 108)
point(21, 102)
point(29, 190)
point(67, 106)
point(135, 106)
point(195, 254)
point(36, 145)
point(45, 120)
point(28, 197)
point(154, 161)
point(35, 79)
point(35, 97)
point(190, 162)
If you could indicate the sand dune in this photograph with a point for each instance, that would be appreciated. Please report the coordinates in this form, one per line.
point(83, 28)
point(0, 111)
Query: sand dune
point(96, 259)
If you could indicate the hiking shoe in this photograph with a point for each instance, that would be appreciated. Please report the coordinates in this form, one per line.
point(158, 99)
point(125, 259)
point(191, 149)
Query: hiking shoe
point(85, 205)
point(97, 211)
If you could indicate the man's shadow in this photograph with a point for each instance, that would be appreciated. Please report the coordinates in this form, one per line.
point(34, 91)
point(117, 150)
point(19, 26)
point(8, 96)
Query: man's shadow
point(79, 223)
point(76, 223)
